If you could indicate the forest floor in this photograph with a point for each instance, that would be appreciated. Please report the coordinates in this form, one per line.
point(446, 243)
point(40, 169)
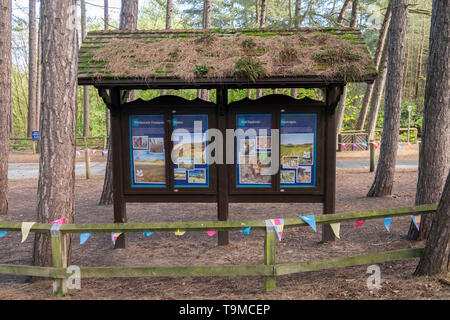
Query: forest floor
point(197, 248)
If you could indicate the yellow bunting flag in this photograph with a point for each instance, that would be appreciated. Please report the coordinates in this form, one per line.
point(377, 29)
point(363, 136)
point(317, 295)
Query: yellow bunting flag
point(179, 233)
point(26, 227)
point(336, 228)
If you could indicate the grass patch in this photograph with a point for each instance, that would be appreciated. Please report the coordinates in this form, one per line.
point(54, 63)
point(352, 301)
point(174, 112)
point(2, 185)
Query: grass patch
point(249, 67)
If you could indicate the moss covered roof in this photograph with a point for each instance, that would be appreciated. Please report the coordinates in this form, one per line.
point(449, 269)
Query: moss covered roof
point(225, 56)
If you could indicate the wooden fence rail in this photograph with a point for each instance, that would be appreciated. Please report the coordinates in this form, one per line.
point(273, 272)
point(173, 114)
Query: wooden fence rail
point(269, 270)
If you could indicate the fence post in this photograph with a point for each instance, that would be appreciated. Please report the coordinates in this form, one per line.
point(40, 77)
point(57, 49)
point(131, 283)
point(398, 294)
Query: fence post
point(87, 160)
point(372, 156)
point(59, 261)
point(269, 259)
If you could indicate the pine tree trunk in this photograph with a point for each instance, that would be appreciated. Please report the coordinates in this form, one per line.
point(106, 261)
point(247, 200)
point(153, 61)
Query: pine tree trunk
point(294, 93)
point(384, 176)
point(128, 21)
point(340, 110)
point(290, 13)
point(5, 100)
point(32, 64)
point(207, 7)
point(298, 7)
point(377, 60)
point(257, 15)
point(419, 62)
point(39, 75)
point(433, 159)
point(169, 8)
point(355, 10)
point(86, 113)
point(436, 258)
point(343, 10)
point(377, 96)
point(262, 19)
point(106, 27)
point(56, 186)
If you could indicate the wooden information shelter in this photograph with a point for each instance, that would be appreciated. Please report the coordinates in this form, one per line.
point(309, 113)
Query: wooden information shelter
point(144, 133)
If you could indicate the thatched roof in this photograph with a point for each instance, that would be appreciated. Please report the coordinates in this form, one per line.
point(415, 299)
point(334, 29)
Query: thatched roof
point(230, 57)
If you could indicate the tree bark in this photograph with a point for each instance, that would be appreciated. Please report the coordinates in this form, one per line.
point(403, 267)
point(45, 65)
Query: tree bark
point(56, 184)
point(32, 65)
point(207, 7)
point(355, 10)
point(256, 13)
point(262, 19)
point(377, 95)
point(419, 62)
point(169, 8)
point(436, 257)
point(5, 100)
point(106, 14)
point(384, 176)
point(376, 60)
point(298, 7)
point(128, 21)
point(340, 111)
point(433, 158)
point(39, 73)
point(343, 10)
point(86, 113)
point(106, 27)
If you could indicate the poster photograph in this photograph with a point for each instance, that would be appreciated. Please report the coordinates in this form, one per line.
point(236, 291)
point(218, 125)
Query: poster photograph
point(180, 174)
point(304, 174)
point(197, 176)
point(140, 142)
point(287, 176)
point(298, 145)
point(264, 142)
point(252, 174)
point(247, 147)
point(149, 167)
point(186, 163)
point(156, 145)
point(290, 162)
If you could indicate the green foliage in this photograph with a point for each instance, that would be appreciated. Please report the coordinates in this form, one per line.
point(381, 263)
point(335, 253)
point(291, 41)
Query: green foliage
point(249, 67)
point(201, 70)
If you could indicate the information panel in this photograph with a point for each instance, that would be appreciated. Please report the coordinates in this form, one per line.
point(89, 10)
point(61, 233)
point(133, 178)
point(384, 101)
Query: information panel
point(298, 134)
point(253, 150)
point(148, 163)
point(190, 153)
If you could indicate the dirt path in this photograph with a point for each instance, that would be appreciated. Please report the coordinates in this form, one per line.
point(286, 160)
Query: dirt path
point(200, 249)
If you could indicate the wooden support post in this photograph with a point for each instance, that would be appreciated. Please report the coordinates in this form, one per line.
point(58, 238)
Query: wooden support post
point(332, 98)
point(59, 261)
point(33, 146)
point(269, 259)
point(222, 176)
point(120, 214)
point(372, 156)
point(87, 160)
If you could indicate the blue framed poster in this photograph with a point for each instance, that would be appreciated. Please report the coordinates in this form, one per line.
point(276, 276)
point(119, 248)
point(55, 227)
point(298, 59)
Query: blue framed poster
point(190, 150)
point(148, 160)
point(298, 138)
point(253, 150)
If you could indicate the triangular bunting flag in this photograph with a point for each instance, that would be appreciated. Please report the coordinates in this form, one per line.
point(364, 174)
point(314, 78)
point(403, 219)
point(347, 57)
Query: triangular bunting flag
point(3, 233)
point(147, 233)
point(114, 236)
point(336, 229)
point(344, 145)
point(78, 153)
point(359, 223)
point(84, 237)
point(416, 220)
point(400, 145)
point(364, 144)
point(278, 225)
point(59, 221)
point(26, 227)
point(179, 233)
point(311, 220)
point(105, 151)
point(376, 145)
point(246, 230)
point(354, 145)
point(387, 223)
point(211, 233)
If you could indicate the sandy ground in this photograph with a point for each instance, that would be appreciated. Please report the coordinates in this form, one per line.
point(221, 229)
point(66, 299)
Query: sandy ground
point(407, 152)
point(164, 249)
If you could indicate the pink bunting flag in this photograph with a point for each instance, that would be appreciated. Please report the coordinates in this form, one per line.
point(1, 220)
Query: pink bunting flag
point(359, 223)
point(376, 144)
point(211, 233)
point(344, 145)
point(59, 221)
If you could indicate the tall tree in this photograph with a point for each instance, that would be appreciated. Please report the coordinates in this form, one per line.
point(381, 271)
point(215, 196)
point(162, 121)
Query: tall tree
point(32, 64)
point(86, 113)
point(5, 100)
point(128, 21)
point(355, 10)
point(377, 59)
point(298, 6)
point(206, 24)
point(106, 28)
point(377, 95)
point(169, 7)
point(262, 19)
point(433, 158)
point(384, 176)
point(419, 62)
point(341, 16)
point(38, 71)
point(436, 258)
point(56, 186)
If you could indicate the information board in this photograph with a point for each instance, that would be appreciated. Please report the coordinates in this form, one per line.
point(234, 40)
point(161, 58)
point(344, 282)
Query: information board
point(298, 134)
point(190, 150)
point(253, 150)
point(148, 160)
